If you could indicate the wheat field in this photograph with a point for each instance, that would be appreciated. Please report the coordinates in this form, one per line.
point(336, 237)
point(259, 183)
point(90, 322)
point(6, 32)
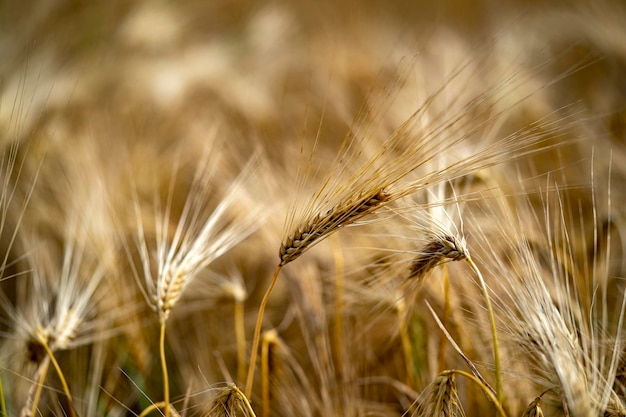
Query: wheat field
point(298, 208)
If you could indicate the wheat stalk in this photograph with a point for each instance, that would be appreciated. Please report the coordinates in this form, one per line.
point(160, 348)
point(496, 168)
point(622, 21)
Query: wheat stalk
point(198, 239)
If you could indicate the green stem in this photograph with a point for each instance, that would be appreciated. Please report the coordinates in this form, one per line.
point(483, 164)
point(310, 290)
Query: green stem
point(166, 381)
point(496, 351)
point(3, 407)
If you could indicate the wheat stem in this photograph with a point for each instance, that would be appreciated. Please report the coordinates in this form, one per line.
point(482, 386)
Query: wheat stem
point(3, 407)
point(244, 398)
point(257, 333)
point(339, 298)
point(447, 310)
point(496, 351)
point(66, 388)
point(241, 339)
point(155, 406)
point(478, 382)
point(269, 337)
point(166, 382)
point(406, 341)
point(151, 407)
point(42, 371)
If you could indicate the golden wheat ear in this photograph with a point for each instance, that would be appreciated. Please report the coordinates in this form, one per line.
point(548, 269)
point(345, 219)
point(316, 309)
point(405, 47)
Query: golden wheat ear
point(64, 317)
point(231, 402)
point(437, 251)
point(321, 226)
point(440, 398)
point(534, 408)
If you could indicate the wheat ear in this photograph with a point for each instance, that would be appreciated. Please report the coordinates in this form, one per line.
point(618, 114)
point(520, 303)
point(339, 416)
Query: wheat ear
point(482, 386)
point(321, 226)
point(438, 250)
point(534, 408)
point(231, 402)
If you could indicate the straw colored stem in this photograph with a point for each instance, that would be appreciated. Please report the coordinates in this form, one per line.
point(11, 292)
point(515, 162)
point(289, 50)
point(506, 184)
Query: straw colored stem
point(406, 341)
point(155, 406)
point(447, 310)
point(66, 388)
point(339, 297)
point(496, 352)
point(42, 371)
point(245, 397)
point(268, 338)
point(166, 382)
point(240, 334)
point(257, 334)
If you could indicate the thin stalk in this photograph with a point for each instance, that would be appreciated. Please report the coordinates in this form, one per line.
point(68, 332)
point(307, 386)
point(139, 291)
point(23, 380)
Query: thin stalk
point(268, 338)
point(485, 389)
point(66, 388)
point(151, 407)
point(240, 335)
point(166, 382)
point(42, 371)
point(155, 406)
point(406, 341)
point(447, 310)
point(496, 351)
point(339, 297)
point(245, 397)
point(257, 333)
point(3, 406)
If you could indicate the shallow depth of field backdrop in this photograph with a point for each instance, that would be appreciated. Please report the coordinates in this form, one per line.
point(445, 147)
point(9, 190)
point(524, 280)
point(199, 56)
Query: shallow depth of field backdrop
point(438, 192)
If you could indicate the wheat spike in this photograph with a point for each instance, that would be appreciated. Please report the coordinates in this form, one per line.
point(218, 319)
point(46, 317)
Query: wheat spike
point(440, 398)
point(534, 409)
point(437, 251)
point(320, 226)
point(231, 402)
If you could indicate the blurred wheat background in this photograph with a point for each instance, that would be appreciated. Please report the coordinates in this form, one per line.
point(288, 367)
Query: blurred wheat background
point(298, 208)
